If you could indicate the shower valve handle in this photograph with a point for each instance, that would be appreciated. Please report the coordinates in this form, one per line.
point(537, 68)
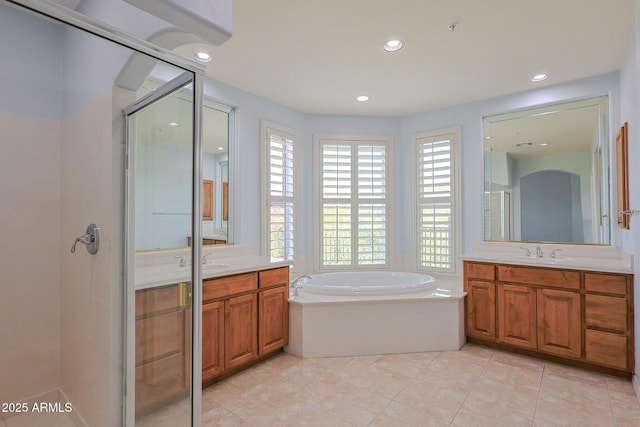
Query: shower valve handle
point(91, 240)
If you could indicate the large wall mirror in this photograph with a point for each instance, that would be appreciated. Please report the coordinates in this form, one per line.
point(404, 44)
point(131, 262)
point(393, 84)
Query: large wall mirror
point(163, 217)
point(546, 175)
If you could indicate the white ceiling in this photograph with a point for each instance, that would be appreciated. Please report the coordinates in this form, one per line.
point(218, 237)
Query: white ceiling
point(316, 56)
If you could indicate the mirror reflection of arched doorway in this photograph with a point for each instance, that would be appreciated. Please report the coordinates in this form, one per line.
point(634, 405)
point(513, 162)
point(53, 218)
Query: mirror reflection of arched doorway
point(551, 207)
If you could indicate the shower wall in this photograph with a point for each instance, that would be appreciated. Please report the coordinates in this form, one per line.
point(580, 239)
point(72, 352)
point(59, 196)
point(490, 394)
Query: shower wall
point(29, 256)
point(60, 170)
point(90, 289)
point(30, 140)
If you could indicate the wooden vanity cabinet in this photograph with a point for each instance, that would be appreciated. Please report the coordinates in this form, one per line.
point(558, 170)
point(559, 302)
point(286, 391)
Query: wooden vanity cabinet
point(229, 323)
point(579, 316)
point(244, 319)
point(480, 303)
point(517, 315)
point(163, 343)
point(273, 309)
point(608, 319)
point(240, 330)
point(212, 339)
point(559, 329)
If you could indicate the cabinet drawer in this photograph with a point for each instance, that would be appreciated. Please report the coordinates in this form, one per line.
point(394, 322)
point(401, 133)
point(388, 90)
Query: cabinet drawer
point(160, 382)
point(605, 312)
point(474, 270)
point(149, 301)
point(275, 277)
point(606, 283)
point(159, 336)
point(230, 285)
point(162, 371)
point(539, 276)
point(606, 348)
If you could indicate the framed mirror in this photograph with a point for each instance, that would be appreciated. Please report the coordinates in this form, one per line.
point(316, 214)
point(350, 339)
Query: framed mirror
point(166, 221)
point(546, 175)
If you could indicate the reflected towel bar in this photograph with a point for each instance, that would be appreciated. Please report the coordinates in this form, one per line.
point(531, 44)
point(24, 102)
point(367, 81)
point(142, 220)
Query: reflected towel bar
point(170, 213)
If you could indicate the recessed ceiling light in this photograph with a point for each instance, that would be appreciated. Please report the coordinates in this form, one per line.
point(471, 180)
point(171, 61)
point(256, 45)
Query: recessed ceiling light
point(362, 98)
point(539, 77)
point(392, 45)
point(172, 124)
point(544, 144)
point(202, 57)
point(220, 148)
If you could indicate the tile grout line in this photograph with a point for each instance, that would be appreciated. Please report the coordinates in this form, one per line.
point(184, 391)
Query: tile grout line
point(535, 411)
point(613, 415)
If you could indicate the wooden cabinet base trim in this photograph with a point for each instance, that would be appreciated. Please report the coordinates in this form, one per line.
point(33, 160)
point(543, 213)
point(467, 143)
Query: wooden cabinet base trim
point(552, 358)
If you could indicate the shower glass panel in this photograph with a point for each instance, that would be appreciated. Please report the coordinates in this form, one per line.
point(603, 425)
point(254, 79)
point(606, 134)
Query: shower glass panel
point(160, 147)
point(62, 168)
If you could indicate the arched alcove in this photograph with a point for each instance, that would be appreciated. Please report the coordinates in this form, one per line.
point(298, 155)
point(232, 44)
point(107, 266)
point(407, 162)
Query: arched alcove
point(551, 207)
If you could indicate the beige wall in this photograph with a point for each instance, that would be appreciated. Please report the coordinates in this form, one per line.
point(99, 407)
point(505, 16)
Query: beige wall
point(29, 256)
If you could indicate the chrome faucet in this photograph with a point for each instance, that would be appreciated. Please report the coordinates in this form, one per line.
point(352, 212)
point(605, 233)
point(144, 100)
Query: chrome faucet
point(295, 286)
point(539, 253)
point(554, 253)
point(183, 262)
point(527, 252)
point(205, 258)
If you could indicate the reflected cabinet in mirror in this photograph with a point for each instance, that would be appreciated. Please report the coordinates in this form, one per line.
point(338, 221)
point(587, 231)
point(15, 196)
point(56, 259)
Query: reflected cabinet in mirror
point(546, 175)
point(163, 173)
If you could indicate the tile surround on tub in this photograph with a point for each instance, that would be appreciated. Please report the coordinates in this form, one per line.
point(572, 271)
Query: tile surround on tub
point(580, 257)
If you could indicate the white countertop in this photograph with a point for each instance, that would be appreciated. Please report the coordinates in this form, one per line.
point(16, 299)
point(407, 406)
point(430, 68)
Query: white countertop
point(158, 268)
point(607, 259)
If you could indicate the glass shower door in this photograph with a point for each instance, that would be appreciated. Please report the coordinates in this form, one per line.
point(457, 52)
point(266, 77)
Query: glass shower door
point(160, 139)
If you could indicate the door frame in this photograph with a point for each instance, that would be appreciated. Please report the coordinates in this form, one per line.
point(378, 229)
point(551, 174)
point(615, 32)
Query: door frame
point(128, 112)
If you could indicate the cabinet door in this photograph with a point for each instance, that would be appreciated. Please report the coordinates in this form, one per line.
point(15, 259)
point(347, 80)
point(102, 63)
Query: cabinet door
point(212, 339)
point(240, 330)
point(273, 309)
point(559, 330)
point(517, 315)
point(480, 307)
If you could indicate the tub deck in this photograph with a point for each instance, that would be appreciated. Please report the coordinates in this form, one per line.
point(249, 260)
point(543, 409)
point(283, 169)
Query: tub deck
point(330, 326)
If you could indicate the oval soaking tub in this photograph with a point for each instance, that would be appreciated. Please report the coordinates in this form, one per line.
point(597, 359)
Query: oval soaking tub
point(367, 283)
point(374, 312)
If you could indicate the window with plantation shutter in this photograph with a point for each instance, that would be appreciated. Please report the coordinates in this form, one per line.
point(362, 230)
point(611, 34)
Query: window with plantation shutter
point(279, 219)
point(353, 181)
point(436, 214)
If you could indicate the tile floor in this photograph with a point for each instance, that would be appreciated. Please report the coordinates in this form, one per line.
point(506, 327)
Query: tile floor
point(476, 386)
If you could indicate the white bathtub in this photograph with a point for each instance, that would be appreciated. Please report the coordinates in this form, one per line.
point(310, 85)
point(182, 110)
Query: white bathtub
point(368, 283)
point(361, 313)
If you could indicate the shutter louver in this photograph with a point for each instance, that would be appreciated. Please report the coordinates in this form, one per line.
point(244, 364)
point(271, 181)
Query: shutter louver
point(435, 203)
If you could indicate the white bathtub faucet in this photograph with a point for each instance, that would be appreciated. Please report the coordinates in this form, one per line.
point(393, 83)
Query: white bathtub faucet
point(295, 283)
